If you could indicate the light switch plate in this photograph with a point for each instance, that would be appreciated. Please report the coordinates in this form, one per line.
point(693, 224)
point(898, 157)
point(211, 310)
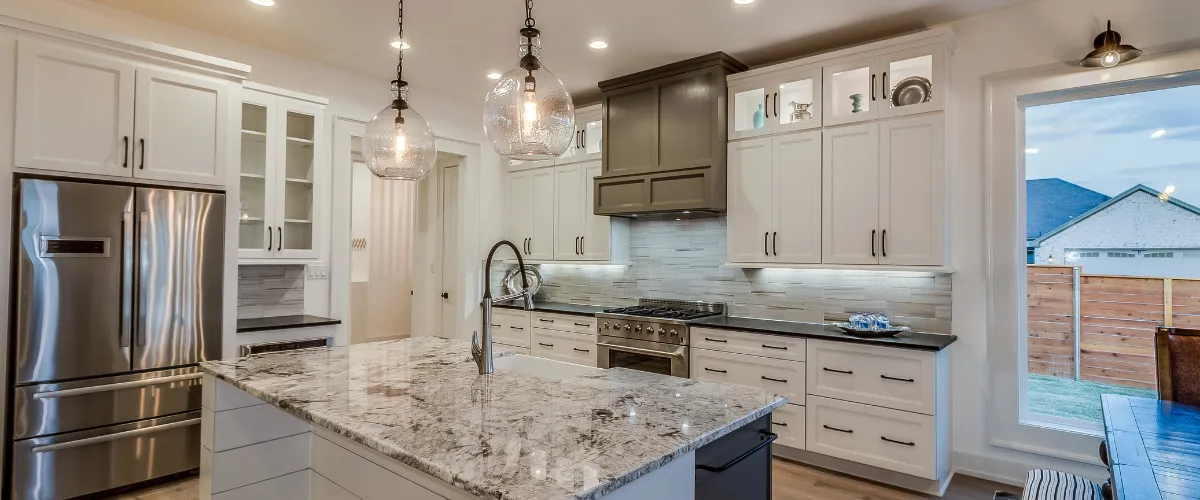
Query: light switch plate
point(318, 271)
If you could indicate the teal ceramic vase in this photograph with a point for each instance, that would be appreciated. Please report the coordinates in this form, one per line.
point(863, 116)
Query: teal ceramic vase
point(758, 117)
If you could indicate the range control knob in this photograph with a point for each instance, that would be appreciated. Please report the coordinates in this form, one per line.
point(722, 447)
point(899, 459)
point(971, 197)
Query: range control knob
point(674, 333)
point(606, 325)
point(638, 329)
point(661, 331)
point(627, 328)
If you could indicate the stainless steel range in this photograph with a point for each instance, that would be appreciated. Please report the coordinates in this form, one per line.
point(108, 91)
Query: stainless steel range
point(652, 336)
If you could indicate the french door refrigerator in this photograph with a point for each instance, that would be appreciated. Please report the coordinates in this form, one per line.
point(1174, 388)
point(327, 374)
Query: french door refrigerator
point(117, 295)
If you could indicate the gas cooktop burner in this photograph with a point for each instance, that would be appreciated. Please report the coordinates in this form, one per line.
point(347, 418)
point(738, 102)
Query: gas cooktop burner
point(661, 312)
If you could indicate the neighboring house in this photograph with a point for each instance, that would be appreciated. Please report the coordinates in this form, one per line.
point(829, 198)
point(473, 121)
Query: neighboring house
point(1051, 203)
point(1136, 233)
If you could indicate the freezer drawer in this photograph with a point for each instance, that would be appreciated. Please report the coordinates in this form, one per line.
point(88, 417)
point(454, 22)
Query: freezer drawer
point(79, 463)
point(40, 410)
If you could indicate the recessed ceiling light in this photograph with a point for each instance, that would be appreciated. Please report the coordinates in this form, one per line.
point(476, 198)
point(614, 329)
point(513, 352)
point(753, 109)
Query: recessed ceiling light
point(1158, 133)
point(598, 44)
point(743, 2)
point(264, 3)
point(494, 76)
point(1031, 151)
point(400, 44)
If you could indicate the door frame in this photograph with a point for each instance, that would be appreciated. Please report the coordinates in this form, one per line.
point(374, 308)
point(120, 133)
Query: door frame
point(427, 307)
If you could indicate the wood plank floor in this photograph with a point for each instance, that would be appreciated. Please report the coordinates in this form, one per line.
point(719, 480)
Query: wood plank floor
point(792, 482)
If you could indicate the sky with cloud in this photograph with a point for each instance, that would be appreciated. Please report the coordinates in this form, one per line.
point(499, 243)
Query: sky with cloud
point(1109, 144)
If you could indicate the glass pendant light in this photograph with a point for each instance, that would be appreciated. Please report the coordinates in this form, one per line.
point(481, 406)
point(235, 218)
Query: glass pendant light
point(529, 115)
point(1109, 51)
point(399, 144)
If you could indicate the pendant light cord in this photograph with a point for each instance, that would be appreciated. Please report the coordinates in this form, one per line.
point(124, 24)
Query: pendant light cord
point(529, 22)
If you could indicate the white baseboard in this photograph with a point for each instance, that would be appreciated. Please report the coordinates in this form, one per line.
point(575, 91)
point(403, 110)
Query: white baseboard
point(1013, 473)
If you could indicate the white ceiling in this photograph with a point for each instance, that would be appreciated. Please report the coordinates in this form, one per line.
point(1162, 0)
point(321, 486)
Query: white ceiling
point(456, 42)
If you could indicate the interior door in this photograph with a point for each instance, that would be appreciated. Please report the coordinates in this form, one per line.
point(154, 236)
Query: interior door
point(73, 280)
point(597, 232)
point(751, 202)
point(912, 190)
point(541, 241)
point(796, 181)
point(569, 212)
point(74, 110)
point(520, 209)
point(181, 128)
point(851, 203)
point(181, 269)
point(452, 292)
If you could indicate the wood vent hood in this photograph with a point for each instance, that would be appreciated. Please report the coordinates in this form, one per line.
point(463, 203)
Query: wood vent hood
point(665, 137)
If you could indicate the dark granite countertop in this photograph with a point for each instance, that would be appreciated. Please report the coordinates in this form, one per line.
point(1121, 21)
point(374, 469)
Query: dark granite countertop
point(283, 322)
point(556, 307)
point(907, 340)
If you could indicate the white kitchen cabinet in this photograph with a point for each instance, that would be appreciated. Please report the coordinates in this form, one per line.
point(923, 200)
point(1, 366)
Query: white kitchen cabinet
point(541, 239)
point(873, 81)
point(775, 199)
point(850, 90)
point(82, 110)
point(181, 125)
point(906, 68)
point(520, 209)
point(780, 102)
point(851, 195)
point(586, 143)
point(569, 214)
point(551, 218)
point(284, 167)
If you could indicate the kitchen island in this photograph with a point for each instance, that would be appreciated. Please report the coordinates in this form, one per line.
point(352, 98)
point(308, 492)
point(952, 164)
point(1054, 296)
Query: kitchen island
point(414, 419)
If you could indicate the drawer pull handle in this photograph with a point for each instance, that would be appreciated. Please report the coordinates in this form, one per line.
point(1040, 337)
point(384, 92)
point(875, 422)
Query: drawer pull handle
point(765, 346)
point(716, 340)
point(582, 350)
point(847, 372)
point(909, 380)
point(707, 369)
point(545, 320)
point(545, 345)
point(775, 380)
point(781, 424)
point(582, 324)
point(905, 443)
point(765, 440)
point(495, 326)
point(516, 328)
point(847, 431)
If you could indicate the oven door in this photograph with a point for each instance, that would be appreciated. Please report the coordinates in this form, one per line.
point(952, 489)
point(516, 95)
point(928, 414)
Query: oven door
point(654, 357)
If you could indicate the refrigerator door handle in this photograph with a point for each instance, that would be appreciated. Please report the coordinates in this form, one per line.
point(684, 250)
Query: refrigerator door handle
point(114, 436)
point(127, 264)
point(142, 257)
point(118, 386)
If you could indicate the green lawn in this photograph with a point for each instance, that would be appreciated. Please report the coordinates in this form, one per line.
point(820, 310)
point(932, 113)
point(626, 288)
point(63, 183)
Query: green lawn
point(1064, 397)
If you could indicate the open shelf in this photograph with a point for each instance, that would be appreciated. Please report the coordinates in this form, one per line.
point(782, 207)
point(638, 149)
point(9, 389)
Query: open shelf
point(297, 221)
point(253, 176)
point(300, 181)
point(299, 141)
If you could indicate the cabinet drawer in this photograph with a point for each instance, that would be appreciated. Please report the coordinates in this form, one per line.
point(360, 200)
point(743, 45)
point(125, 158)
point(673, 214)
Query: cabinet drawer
point(564, 323)
point(774, 375)
point(788, 422)
point(890, 439)
point(510, 327)
point(891, 378)
point(564, 346)
point(756, 344)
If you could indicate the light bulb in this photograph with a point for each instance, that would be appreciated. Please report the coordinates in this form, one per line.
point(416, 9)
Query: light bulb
point(1110, 59)
point(401, 142)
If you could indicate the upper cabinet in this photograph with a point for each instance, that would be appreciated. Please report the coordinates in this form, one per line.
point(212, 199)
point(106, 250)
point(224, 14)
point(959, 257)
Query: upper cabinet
point(284, 175)
point(775, 199)
point(893, 84)
point(775, 103)
point(550, 217)
point(88, 111)
point(585, 144)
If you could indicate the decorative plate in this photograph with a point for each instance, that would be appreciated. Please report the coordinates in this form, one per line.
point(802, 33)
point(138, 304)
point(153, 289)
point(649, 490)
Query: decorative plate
point(871, 332)
point(911, 90)
point(512, 281)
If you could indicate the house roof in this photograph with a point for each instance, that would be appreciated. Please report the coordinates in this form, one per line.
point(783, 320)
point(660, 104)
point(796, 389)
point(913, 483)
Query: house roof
point(1050, 203)
point(1140, 188)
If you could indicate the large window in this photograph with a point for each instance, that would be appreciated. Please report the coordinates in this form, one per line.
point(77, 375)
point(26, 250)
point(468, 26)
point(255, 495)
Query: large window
point(1110, 219)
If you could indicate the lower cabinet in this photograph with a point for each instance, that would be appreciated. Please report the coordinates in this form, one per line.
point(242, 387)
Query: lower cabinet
point(788, 422)
point(774, 375)
point(561, 337)
point(510, 327)
point(890, 439)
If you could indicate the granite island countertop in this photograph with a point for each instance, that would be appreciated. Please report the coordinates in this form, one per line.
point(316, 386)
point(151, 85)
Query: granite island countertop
point(506, 435)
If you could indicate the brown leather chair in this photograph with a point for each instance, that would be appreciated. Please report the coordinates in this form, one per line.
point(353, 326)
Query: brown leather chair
point(1177, 351)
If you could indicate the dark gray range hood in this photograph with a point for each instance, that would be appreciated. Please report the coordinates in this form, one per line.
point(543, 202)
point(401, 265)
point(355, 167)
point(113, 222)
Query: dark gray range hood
point(665, 139)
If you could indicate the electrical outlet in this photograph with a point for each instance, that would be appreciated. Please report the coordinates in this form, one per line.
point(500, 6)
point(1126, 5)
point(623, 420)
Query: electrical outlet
point(318, 271)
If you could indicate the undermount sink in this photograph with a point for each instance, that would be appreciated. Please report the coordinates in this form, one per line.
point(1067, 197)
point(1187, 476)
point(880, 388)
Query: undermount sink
point(541, 367)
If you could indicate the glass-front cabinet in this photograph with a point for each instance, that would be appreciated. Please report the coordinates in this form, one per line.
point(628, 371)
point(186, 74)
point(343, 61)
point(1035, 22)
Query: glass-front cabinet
point(912, 81)
point(586, 144)
point(774, 103)
point(279, 212)
point(851, 93)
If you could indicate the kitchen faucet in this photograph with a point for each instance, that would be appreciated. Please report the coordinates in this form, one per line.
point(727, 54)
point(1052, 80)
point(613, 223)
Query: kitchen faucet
point(481, 349)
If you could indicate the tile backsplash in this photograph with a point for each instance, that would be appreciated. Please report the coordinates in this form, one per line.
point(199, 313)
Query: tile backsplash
point(265, 291)
point(685, 260)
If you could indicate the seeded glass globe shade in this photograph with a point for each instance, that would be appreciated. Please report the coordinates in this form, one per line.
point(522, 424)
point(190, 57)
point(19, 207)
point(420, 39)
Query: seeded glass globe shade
point(405, 151)
point(529, 126)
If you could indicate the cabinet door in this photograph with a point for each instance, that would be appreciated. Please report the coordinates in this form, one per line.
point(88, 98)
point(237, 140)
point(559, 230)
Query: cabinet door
point(751, 201)
point(74, 111)
point(796, 231)
point(591, 141)
point(913, 81)
point(747, 109)
point(541, 242)
point(630, 123)
point(256, 203)
point(181, 126)
point(569, 211)
point(850, 91)
point(299, 173)
point(597, 229)
point(912, 190)
point(520, 209)
point(850, 178)
point(796, 100)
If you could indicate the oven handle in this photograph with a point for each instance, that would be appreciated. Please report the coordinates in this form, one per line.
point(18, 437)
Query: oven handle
point(639, 350)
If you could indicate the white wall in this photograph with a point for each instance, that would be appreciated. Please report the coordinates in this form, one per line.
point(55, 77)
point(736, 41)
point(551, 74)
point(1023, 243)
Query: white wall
point(1035, 34)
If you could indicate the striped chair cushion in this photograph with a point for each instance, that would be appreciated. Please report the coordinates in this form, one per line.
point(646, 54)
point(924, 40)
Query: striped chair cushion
point(1044, 484)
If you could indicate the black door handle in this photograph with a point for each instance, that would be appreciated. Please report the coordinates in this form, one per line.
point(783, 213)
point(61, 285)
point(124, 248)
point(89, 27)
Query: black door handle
point(445, 295)
point(765, 236)
point(775, 241)
point(716, 340)
point(846, 431)
point(543, 320)
point(774, 379)
point(545, 345)
point(279, 245)
point(766, 437)
point(845, 372)
point(872, 86)
point(270, 239)
point(884, 87)
point(583, 139)
point(125, 162)
point(884, 245)
point(142, 165)
point(576, 245)
point(777, 105)
point(765, 346)
point(582, 245)
point(781, 424)
point(905, 443)
point(707, 369)
point(581, 350)
point(873, 242)
point(909, 380)
point(767, 107)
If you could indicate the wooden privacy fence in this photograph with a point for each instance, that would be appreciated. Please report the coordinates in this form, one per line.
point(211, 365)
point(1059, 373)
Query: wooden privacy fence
point(1101, 328)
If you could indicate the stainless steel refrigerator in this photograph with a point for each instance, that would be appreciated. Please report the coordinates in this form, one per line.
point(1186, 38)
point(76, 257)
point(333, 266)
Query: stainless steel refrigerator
point(117, 295)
